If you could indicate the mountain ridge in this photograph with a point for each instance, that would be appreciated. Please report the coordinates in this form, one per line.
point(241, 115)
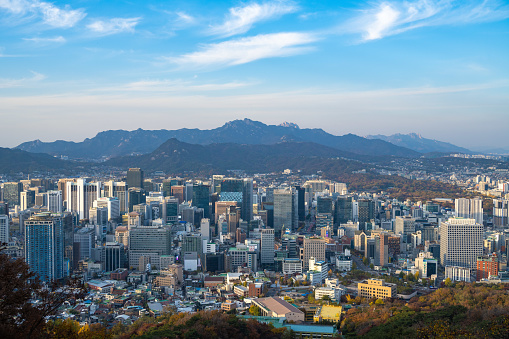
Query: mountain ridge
point(115, 143)
point(418, 143)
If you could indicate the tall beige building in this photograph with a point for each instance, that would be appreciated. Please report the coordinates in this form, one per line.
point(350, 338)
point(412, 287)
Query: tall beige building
point(461, 241)
point(313, 247)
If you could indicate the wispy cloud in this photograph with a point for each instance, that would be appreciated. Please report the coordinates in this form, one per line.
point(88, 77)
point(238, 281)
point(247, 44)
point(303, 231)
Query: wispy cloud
point(394, 17)
point(244, 50)
point(50, 14)
point(178, 85)
point(241, 19)
point(114, 26)
point(184, 18)
point(39, 40)
point(9, 83)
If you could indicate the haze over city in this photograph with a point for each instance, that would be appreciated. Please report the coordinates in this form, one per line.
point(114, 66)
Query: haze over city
point(70, 69)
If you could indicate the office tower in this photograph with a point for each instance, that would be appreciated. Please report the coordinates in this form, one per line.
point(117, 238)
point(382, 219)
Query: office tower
point(313, 247)
point(98, 215)
point(247, 200)
point(81, 195)
point(366, 211)
point(44, 246)
point(148, 186)
point(300, 193)
point(136, 196)
point(201, 198)
point(267, 246)
point(222, 207)
point(54, 201)
point(381, 249)
point(4, 229)
point(324, 204)
point(283, 210)
point(166, 188)
point(85, 240)
point(500, 212)
point(343, 210)
point(4, 208)
point(170, 210)
point(289, 244)
point(111, 204)
point(26, 199)
point(119, 190)
point(113, 256)
point(404, 225)
point(205, 229)
point(178, 192)
point(41, 200)
point(148, 241)
point(487, 265)
point(233, 220)
point(192, 243)
point(469, 208)
point(461, 241)
point(135, 178)
point(11, 192)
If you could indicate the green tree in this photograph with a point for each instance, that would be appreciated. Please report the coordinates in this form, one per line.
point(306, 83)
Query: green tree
point(365, 261)
point(371, 266)
point(326, 298)
point(448, 282)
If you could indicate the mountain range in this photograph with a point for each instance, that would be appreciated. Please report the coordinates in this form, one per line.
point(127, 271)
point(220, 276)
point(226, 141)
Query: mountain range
point(175, 156)
point(115, 143)
point(419, 144)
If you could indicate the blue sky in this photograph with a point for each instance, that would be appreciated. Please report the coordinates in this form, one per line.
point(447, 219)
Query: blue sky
point(69, 69)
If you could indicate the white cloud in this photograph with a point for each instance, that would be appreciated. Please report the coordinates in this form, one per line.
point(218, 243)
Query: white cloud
point(51, 15)
point(244, 50)
point(38, 40)
point(394, 17)
point(185, 18)
point(114, 26)
point(241, 19)
point(9, 83)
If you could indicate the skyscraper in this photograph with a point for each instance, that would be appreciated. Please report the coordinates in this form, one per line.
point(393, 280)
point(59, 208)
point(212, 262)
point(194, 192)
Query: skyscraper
point(283, 209)
point(119, 190)
point(247, 200)
point(4, 228)
point(11, 192)
point(135, 178)
point(366, 211)
point(267, 246)
point(500, 212)
point(343, 210)
point(461, 241)
point(469, 208)
point(44, 245)
point(54, 201)
point(81, 195)
point(313, 247)
point(201, 198)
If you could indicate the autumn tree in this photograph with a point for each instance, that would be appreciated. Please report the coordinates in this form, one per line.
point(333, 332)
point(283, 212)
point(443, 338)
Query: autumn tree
point(20, 315)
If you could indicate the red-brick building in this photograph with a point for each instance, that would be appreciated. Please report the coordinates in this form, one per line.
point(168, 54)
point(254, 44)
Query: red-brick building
point(487, 265)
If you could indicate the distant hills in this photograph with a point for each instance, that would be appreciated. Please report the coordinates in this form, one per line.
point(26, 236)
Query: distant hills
point(15, 160)
point(419, 144)
point(175, 156)
point(115, 143)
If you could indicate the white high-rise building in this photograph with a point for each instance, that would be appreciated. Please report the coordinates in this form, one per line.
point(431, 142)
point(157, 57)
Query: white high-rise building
point(267, 246)
point(461, 241)
point(118, 190)
point(54, 200)
point(81, 196)
point(111, 203)
point(4, 228)
point(500, 212)
point(469, 208)
point(205, 229)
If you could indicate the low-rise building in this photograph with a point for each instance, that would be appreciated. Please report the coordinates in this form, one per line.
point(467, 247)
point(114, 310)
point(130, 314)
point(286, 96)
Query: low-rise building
point(376, 288)
point(328, 313)
point(277, 307)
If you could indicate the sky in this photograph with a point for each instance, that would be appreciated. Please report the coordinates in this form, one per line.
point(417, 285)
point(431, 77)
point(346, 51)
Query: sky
point(70, 69)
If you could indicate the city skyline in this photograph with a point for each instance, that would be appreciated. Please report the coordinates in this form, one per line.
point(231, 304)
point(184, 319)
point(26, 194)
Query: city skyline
point(432, 67)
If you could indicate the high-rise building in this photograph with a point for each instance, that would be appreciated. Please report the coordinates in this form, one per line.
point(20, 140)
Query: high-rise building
point(461, 241)
point(11, 192)
point(201, 198)
point(44, 246)
point(113, 256)
point(136, 196)
point(404, 225)
point(54, 201)
point(343, 210)
point(148, 241)
point(81, 196)
point(119, 190)
point(112, 205)
point(170, 210)
point(469, 208)
point(500, 212)
point(267, 246)
point(300, 192)
point(313, 247)
point(324, 204)
point(366, 211)
point(26, 199)
point(205, 229)
point(178, 192)
point(4, 229)
point(283, 209)
point(135, 178)
point(84, 238)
